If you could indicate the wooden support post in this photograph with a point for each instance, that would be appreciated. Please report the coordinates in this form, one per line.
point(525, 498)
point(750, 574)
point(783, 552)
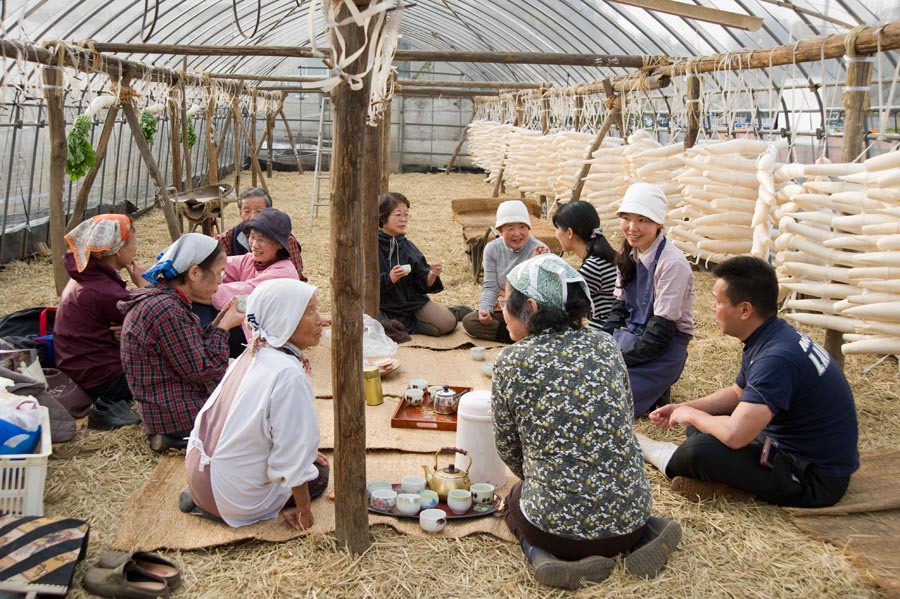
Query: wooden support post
point(85, 190)
point(290, 136)
point(693, 110)
point(385, 183)
point(253, 148)
point(856, 106)
point(545, 127)
point(174, 128)
point(254, 159)
point(462, 138)
point(578, 113)
point(131, 117)
point(186, 146)
point(54, 93)
point(612, 117)
point(212, 153)
point(270, 137)
point(373, 162)
point(238, 161)
point(350, 107)
point(613, 99)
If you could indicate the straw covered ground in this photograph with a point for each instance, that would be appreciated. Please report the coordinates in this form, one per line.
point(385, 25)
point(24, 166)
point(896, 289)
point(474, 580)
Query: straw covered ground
point(729, 549)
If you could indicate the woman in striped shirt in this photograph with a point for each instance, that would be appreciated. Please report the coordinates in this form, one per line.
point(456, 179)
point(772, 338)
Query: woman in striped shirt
point(578, 231)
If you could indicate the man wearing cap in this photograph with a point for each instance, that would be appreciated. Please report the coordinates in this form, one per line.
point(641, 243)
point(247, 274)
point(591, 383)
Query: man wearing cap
point(514, 246)
point(250, 203)
point(652, 319)
point(785, 431)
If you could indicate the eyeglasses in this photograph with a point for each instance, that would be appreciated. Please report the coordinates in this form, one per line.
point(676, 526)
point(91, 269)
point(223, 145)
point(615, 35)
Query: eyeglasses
point(400, 214)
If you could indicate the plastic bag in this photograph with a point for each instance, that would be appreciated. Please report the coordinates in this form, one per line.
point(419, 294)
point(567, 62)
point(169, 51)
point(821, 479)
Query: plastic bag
point(376, 344)
point(20, 423)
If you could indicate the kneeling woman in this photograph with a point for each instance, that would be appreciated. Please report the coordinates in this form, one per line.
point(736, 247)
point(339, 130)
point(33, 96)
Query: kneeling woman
point(652, 321)
point(254, 447)
point(562, 423)
point(171, 361)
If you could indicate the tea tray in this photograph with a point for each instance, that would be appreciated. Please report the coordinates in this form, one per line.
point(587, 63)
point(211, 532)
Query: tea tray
point(442, 505)
point(422, 417)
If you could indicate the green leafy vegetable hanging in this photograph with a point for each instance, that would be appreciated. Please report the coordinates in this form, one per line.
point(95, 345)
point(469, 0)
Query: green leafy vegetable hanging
point(192, 135)
point(148, 125)
point(80, 155)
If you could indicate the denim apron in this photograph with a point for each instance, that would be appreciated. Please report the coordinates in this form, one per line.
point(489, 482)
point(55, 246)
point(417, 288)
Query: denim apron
point(650, 379)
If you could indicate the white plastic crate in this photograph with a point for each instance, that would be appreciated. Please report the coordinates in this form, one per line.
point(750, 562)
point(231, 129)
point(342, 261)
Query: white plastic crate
point(22, 476)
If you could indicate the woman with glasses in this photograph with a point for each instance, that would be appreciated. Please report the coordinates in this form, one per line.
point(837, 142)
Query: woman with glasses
point(171, 361)
point(406, 277)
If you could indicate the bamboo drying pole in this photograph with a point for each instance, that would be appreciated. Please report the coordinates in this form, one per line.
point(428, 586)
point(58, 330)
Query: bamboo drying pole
point(237, 149)
point(270, 135)
point(54, 94)
point(174, 128)
point(401, 82)
point(212, 153)
point(186, 145)
point(462, 139)
point(253, 147)
point(614, 103)
point(350, 108)
point(85, 190)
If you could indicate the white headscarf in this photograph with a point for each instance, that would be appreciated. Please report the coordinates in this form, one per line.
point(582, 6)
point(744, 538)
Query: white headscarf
point(190, 250)
point(275, 307)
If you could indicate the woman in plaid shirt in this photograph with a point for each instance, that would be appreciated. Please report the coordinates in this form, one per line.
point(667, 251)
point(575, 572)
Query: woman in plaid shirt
point(172, 363)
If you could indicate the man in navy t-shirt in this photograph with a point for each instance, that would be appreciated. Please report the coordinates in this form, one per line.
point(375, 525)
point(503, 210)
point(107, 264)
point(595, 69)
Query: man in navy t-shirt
point(786, 430)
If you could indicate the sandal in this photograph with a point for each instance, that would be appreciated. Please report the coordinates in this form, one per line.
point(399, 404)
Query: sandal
point(150, 563)
point(126, 581)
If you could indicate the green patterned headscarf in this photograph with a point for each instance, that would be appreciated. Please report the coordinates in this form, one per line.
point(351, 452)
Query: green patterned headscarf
point(544, 279)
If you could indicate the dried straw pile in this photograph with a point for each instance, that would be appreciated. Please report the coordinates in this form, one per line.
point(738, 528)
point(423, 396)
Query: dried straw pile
point(729, 549)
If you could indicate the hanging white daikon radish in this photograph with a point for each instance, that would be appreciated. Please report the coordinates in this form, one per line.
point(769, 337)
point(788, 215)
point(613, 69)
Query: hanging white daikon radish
point(812, 271)
point(735, 204)
point(724, 218)
point(854, 223)
point(691, 179)
point(888, 196)
point(788, 172)
point(815, 186)
point(736, 178)
point(885, 312)
point(738, 146)
point(724, 231)
point(684, 234)
point(833, 256)
point(836, 169)
point(817, 305)
point(880, 345)
point(686, 212)
point(890, 286)
point(818, 218)
point(863, 243)
point(891, 178)
point(705, 206)
point(888, 243)
point(725, 191)
point(808, 231)
point(726, 246)
point(884, 161)
point(659, 165)
point(880, 259)
point(702, 254)
point(880, 328)
point(664, 151)
point(825, 321)
point(99, 103)
point(873, 298)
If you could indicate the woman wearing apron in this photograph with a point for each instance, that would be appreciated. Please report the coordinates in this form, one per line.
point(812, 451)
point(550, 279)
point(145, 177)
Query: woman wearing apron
point(651, 320)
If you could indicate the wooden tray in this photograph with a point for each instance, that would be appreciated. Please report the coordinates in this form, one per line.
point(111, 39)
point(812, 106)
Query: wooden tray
point(407, 416)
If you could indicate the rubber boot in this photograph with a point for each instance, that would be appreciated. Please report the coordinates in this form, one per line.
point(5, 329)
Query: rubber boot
point(652, 551)
point(554, 572)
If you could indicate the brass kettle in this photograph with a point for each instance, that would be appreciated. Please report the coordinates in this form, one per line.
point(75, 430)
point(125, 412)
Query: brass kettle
point(446, 479)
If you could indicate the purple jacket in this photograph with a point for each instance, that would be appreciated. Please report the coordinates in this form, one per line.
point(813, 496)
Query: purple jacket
point(84, 347)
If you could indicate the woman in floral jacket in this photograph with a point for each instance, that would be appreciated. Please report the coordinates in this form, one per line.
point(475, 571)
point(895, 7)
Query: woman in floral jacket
point(562, 421)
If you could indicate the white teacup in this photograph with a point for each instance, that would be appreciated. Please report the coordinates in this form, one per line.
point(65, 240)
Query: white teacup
point(408, 503)
point(433, 520)
point(459, 501)
point(407, 268)
point(482, 492)
point(383, 499)
point(430, 499)
point(374, 485)
point(414, 397)
point(477, 353)
point(418, 384)
point(412, 484)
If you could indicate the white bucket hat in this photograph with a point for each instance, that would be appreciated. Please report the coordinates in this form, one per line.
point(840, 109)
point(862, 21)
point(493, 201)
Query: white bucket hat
point(512, 211)
point(646, 200)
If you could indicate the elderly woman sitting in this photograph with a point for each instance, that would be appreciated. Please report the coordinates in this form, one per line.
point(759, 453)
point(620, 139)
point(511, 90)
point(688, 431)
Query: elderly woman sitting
point(171, 361)
point(562, 422)
point(254, 447)
point(268, 236)
point(88, 321)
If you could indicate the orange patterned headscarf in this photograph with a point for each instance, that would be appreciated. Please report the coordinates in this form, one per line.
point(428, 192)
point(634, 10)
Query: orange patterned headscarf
point(104, 234)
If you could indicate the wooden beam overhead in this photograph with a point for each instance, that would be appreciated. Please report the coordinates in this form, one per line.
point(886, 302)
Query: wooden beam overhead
point(403, 82)
point(699, 13)
point(555, 58)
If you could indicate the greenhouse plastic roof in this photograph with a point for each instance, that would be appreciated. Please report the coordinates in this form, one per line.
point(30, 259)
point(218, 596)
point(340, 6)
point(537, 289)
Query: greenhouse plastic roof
point(568, 26)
